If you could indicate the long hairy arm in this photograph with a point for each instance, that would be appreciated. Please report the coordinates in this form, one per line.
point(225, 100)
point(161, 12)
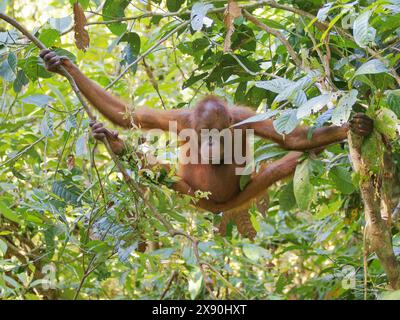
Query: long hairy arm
point(298, 139)
point(112, 107)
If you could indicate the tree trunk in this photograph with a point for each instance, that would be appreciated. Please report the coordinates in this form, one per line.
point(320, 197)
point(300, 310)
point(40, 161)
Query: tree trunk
point(378, 209)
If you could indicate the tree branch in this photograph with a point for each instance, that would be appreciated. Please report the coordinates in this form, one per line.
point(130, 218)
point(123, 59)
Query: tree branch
point(378, 233)
point(277, 34)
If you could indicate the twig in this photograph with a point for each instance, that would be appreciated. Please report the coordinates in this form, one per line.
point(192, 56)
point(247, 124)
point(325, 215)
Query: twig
point(147, 52)
point(153, 82)
point(277, 34)
point(171, 279)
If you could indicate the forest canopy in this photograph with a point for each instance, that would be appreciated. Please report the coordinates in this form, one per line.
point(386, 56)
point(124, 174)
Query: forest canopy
point(74, 224)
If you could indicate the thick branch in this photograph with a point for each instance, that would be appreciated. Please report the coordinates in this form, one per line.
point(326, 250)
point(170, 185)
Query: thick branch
point(378, 232)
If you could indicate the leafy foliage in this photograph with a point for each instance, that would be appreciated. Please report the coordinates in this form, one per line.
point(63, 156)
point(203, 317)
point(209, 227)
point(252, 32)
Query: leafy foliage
point(70, 227)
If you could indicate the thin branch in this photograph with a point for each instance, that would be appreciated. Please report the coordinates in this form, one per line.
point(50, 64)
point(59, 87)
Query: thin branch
point(170, 281)
point(150, 14)
point(147, 52)
point(153, 82)
point(277, 34)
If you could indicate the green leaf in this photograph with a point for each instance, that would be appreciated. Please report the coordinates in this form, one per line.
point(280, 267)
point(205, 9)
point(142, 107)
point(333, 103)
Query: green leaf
point(129, 58)
point(34, 69)
point(393, 99)
point(255, 223)
point(71, 123)
point(258, 117)
point(287, 200)
point(81, 148)
point(200, 44)
point(61, 24)
point(47, 125)
point(198, 15)
point(3, 248)
point(286, 123)
point(39, 100)
point(174, 5)
point(303, 190)
point(114, 9)
point(255, 252)
point(195, 283)
point(193, 79)
point(64, 190)
point(133, 39)
point(49, 36)
point(341, 113)
point(341, 178)
point(390, 295)
point(386, 122)
point(9, 37)
point(276, 85)
point(290, 91)
point(299, 99)
point(244, 181)
point(164, 253)
point(363, 33)
point(20, 81)
point(269, 155)
point(373, 66)
point(313, 105)
point(8, 213)
point(63, 52)
point(8, 68)
point(322, 14)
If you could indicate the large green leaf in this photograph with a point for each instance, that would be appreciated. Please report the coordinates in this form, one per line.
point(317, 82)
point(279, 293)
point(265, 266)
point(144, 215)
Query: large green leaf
point(342, 112)
point(364, 34)
point(174, 5)
point(61, 24)
point(133, 39)
point(341, 178)
point(114, 10)
point(387, 123)
point(195, 283)
point(373, 66)
point(8, 213)
point(198, 15)
point(39, 100)
point(302, 187)
point(8, 68)
point(255, 252)
point(313, 105)
point(286, 123)
point(276, 85)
